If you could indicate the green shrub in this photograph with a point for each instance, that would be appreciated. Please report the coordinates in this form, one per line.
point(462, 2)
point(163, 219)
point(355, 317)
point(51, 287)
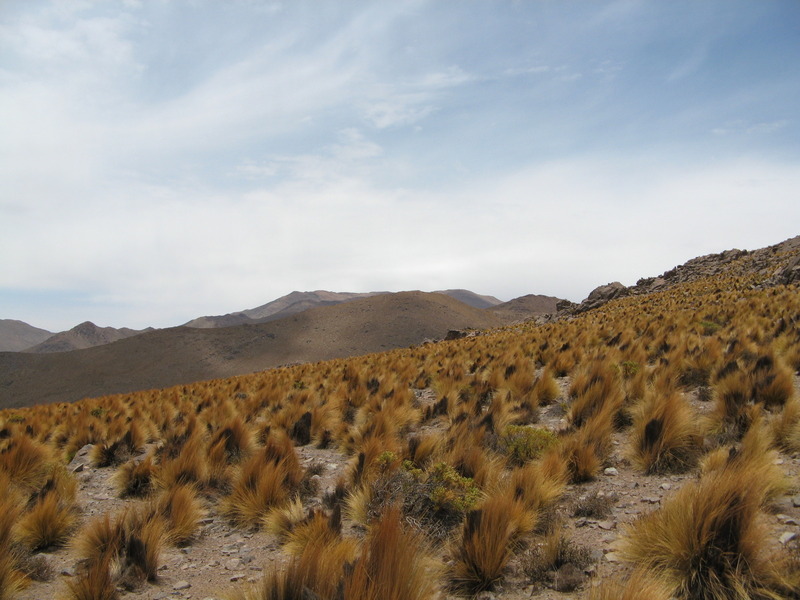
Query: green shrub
point(450, 491)
point(522, 443)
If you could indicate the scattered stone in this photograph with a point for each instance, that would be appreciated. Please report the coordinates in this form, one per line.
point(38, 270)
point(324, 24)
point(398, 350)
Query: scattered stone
point(613, 557)
point(181, 585)
point(68, 571)
point(237, 577)
point(651, 500)
point(666, 486)
point(787, 536)
point(796, 501)
point(567, 578)
point(610, 471)
point(233, 564)
point(607, 525)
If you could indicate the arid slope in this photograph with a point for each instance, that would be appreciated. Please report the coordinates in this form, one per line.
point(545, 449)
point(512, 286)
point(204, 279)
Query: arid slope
point(182, 354)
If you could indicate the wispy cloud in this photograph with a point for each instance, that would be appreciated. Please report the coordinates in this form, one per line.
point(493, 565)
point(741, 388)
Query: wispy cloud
point(164, 160)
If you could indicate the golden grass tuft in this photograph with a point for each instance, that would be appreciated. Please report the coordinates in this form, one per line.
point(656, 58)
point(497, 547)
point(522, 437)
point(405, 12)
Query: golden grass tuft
point(708, 541)
point(49, 523)
point(665, 436)
point(540, 484)
point(95, 583)
point(26, 463)
point(135, 478)
point(182, 510)
point(262, 483)
point(12, 580)
point(641, 585)
point(487, 542)
point(394, 564)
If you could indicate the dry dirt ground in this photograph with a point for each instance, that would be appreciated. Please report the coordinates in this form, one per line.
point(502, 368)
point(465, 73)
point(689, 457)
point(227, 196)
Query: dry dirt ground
point(223, 558)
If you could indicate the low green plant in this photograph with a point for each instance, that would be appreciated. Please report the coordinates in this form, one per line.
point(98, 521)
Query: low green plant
point(451, 492)
point(522, 443)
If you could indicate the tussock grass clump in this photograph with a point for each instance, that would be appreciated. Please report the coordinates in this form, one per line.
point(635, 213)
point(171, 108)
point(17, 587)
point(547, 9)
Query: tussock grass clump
point(786, 427)
point(708, 541)
point(12, 579)
point(264, 481)
point(546, 389)
point(641, 585)
point(135, 479)
point(539, 485)
point(487, 542)
point(48, 523)
point(94, 583)
point(394, 564)
point(665, 436)
point(26, 463)
point(182, 510)
point(121, 552)
point(585, 450)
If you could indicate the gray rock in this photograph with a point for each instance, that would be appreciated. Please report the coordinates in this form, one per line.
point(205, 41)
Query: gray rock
point(787, 536)
point(601, 295)
point(796, 501)
point(181, 585)
point(610, 471)
point(568, 578)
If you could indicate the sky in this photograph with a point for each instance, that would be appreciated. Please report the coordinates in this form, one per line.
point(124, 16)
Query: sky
point(162, 160)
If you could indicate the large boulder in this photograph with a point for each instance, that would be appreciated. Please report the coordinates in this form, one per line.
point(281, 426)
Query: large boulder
point(603, 294)
point(791, 273)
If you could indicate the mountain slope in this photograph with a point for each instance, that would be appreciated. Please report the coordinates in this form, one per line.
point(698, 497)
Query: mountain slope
point(471, 298)
point(284, 306)
point(183, 354)
point(85, 335)
point(525, 307)
point(18, 335)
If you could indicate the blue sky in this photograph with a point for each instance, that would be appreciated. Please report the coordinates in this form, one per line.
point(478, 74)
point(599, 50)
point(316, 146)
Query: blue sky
point(164, 160)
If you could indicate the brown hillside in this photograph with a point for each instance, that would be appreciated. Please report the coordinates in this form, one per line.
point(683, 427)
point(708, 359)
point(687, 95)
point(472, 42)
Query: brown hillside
point(181, 354)
point(85, 335)
point(17, 335)
point(525, 307)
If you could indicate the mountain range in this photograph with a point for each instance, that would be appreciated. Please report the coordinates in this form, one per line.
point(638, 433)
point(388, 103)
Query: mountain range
point(306, 327)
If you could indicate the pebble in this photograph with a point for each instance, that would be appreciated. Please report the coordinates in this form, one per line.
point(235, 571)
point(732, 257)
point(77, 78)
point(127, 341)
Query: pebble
point(796, 501)
point(607, 525)
point(237, 577)
point(613, 557)
point(651, 500)
point(610, 471)
point(787, 536)
point(666, 486)
point(233, 564)
point(182, 585)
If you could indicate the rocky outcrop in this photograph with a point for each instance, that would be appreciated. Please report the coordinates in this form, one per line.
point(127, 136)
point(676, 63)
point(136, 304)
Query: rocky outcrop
point(600, 295)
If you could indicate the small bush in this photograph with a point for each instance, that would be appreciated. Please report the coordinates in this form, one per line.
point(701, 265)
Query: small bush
point(595, 506)
point(541, 562)
point(522, 443)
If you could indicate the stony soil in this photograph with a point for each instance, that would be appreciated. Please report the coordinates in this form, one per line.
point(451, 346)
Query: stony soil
point(223, 558)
